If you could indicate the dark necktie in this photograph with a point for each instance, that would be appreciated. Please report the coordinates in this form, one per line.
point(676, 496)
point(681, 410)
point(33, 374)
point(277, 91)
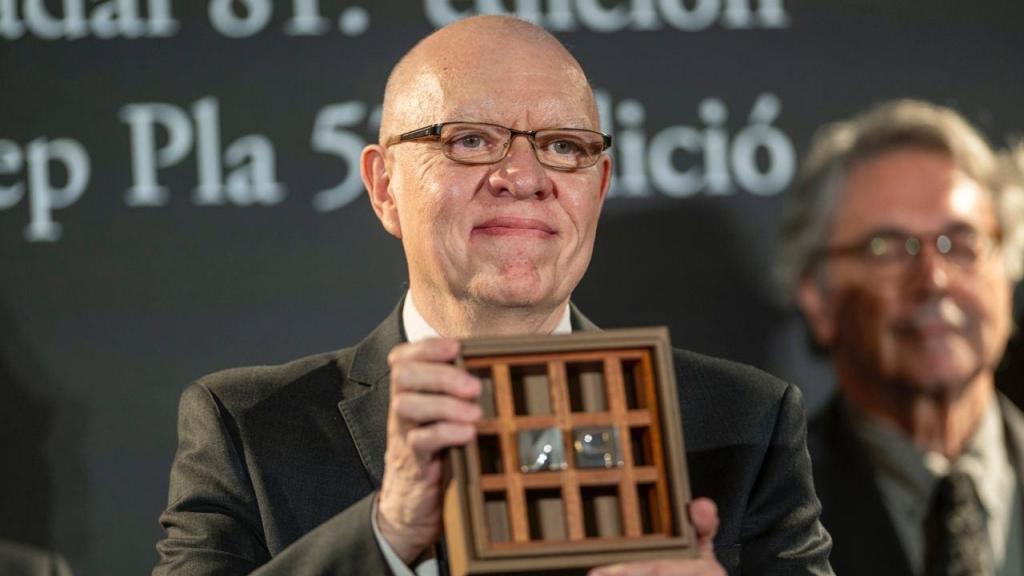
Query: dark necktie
point(954, 532)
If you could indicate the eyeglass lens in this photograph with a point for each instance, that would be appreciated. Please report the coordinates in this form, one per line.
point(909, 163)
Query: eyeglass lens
point(961, 248)
point(484, 143)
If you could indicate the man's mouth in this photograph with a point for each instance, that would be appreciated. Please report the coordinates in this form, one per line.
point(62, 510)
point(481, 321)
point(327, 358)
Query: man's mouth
point(514, 226)
point(936, 319)
point(934, 329)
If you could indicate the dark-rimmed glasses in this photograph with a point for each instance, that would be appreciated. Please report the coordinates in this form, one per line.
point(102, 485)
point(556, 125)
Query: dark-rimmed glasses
point(891, 253)
point(483, 143)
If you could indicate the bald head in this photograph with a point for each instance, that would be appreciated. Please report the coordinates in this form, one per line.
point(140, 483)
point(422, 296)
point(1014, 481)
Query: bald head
point(466, 60)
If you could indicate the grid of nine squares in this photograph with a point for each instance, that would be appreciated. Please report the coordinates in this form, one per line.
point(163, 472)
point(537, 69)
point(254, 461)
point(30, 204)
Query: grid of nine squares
point(632, 409)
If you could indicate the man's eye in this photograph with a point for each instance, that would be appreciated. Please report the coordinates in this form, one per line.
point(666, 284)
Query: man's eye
point(469, 141)
point(565, 147)
point(880, 247)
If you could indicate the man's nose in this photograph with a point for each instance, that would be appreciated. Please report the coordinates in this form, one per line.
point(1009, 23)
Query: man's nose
point(931, 269)
point(520, 173)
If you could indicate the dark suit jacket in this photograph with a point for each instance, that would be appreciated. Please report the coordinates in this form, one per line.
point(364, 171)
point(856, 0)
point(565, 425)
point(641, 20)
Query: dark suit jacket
point(276, 466)
point(864, 536)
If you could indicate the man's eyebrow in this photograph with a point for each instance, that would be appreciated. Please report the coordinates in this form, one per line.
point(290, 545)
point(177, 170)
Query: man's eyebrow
point(960, 226)
point(468, 116)
point(950, 227)
point(576, 123)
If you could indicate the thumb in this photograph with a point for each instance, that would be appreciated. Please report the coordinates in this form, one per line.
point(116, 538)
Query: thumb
point(704, 515)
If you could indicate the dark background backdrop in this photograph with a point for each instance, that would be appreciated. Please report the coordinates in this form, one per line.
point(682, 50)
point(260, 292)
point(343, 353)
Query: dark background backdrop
point(113, 295)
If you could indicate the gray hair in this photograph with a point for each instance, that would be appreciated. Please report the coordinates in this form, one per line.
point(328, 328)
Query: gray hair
point(838, 147)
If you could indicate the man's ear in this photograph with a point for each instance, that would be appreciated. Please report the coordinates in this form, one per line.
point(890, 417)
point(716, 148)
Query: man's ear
point(813, 301)
point(374, 170)
point(605, 165)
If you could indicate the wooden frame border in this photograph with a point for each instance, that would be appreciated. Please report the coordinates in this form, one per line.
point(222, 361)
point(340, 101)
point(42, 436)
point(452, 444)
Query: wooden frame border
point(463, 519)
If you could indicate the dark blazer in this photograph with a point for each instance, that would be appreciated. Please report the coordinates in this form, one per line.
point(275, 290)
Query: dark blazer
point(863, 535)
point(276, 465)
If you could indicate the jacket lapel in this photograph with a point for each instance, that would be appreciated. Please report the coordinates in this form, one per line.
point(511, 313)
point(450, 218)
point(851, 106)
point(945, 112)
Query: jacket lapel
point(1013, 421)
point(852, 507)
point(365, 413)
point(579, 321)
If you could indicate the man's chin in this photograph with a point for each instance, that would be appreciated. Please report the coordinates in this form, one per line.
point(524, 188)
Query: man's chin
point(511, 297)
point(515, 291)
point(940, 357)
point(942, 378)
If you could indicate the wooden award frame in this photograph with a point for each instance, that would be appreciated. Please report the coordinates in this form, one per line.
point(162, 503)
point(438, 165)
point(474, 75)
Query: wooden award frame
point(616, 492)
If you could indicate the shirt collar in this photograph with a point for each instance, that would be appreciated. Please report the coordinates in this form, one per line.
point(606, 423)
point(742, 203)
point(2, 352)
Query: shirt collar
point(416, 326)
point(984, 458)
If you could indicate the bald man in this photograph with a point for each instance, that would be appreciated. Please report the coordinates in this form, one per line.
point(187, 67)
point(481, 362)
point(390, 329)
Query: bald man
point(491, 171)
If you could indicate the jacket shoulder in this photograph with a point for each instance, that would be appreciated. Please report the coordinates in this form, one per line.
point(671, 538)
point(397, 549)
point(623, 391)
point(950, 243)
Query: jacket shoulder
point(728, 402)
point(242, 387)
point(729, 378)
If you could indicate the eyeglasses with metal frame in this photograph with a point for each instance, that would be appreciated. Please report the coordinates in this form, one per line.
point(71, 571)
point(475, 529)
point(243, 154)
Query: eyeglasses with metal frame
point(890, 252)
point(564, 149)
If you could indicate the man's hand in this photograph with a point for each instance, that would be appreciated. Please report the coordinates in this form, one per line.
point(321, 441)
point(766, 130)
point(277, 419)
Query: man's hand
point(433, 406)
point(704, 515)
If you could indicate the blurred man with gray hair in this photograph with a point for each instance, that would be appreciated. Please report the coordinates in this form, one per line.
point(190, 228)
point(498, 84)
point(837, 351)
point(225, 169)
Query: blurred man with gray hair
point(901, 246)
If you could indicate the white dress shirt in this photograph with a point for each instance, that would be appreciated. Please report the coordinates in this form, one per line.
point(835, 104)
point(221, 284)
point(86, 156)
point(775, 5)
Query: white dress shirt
point(907, 477)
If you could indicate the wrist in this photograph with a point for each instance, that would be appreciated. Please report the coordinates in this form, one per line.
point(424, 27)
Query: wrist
point(404, 543)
